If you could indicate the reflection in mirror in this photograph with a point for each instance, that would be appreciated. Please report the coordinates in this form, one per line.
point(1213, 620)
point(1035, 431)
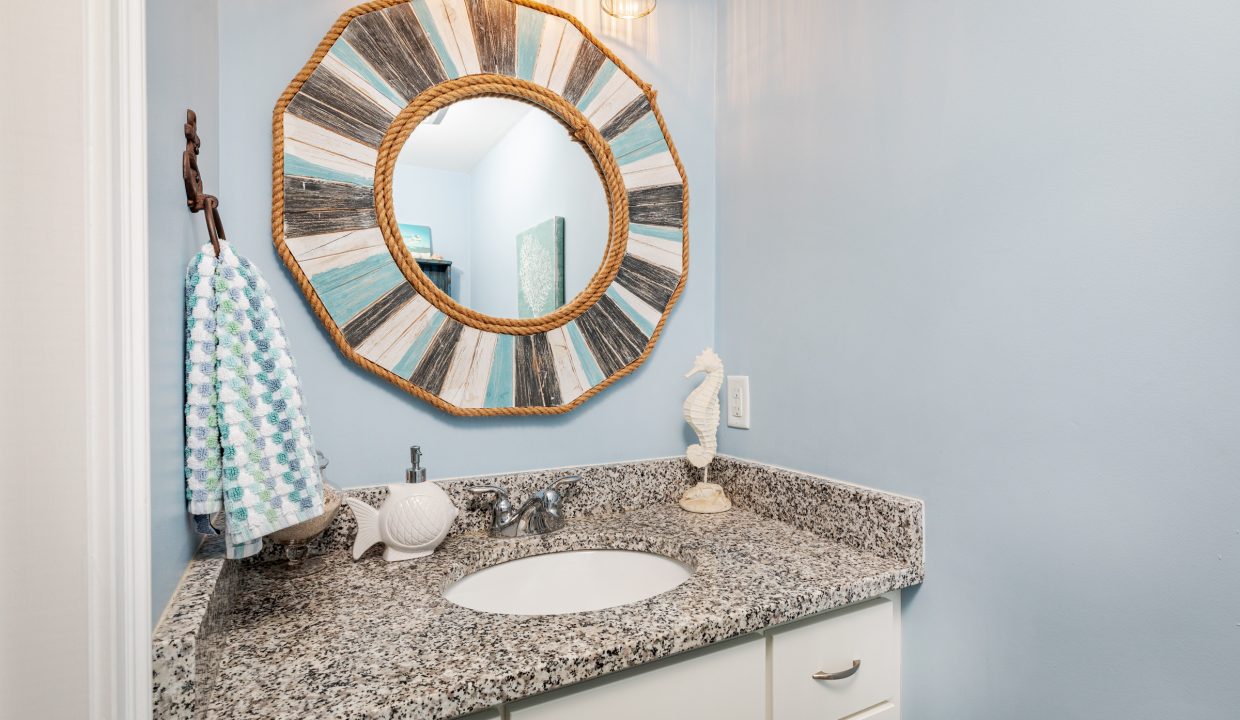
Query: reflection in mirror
point(504, 211)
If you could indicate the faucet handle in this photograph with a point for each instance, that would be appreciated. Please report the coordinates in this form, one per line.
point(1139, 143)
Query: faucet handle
point(554, 494)
point(501, 495)
point(565, 483)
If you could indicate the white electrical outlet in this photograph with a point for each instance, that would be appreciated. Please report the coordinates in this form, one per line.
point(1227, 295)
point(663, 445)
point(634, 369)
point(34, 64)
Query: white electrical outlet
point(738, 401)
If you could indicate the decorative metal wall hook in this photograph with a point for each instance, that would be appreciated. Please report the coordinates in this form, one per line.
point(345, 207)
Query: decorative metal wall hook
point(195, 198)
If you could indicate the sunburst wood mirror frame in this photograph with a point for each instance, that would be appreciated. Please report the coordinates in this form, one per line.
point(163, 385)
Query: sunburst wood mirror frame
point(384, 67)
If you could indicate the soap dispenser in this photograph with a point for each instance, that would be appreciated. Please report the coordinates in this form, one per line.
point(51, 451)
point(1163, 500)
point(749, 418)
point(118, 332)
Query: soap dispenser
point(413, 520)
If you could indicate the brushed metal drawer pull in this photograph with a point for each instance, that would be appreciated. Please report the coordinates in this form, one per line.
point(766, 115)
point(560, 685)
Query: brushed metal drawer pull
point(838, 675)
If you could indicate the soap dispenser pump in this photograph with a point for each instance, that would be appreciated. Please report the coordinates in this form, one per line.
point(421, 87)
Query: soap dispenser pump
point(416, 473)
point(413, 520)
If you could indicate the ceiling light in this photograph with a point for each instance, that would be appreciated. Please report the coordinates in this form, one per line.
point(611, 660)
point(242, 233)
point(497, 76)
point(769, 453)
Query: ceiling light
point(628, 9)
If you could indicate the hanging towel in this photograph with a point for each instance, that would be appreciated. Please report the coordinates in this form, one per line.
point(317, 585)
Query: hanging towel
point(248, 448)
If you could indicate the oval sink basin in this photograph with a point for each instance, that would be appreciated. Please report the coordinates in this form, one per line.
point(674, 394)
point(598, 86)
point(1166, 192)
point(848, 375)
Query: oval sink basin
point(568, 582)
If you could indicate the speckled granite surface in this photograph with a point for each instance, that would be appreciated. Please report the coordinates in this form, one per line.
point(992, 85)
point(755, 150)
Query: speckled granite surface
point(370, 639)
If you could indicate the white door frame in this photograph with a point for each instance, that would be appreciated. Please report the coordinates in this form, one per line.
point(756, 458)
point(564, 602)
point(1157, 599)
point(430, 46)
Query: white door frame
point(117, 407)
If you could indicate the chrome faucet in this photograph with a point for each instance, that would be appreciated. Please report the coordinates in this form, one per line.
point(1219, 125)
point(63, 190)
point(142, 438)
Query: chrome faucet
point(539, 515)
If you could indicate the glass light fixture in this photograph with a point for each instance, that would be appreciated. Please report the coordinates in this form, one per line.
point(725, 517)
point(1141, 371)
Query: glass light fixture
point(629, 9)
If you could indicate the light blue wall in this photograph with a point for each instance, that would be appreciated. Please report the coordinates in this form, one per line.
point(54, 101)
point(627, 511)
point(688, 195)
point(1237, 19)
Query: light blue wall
point(534, 174)
point(440, 200)
point(182, 61)
point(360, 421)
point(986, 253)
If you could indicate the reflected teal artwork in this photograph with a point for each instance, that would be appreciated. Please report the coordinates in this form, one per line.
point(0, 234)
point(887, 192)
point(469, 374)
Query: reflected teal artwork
point(417, 239)
point(540, 269)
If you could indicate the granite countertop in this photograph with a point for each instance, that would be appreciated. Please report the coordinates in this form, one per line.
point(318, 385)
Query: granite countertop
point(370, 639)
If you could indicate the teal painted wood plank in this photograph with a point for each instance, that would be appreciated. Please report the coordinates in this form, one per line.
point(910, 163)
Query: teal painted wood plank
point(345, 53)
point(499, 385)
point(297, 167)
point(529, 37)
point(413, 356)
point(604, 76)
point(437, 41)
point(674, 234)
point(642, 140)
point(636, 317)
point(588, 363)
point(346, 291)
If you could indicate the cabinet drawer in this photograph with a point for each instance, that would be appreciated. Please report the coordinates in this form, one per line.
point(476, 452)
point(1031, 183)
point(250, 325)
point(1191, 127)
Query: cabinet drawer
point(831, 644)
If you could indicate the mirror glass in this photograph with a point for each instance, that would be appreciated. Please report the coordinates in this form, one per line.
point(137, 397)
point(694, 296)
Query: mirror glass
point(502, 209)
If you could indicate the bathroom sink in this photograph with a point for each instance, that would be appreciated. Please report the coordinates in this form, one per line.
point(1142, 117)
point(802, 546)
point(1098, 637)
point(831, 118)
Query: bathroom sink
point(568, 582)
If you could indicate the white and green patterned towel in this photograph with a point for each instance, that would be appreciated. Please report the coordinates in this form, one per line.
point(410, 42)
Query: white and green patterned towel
point(248, 449)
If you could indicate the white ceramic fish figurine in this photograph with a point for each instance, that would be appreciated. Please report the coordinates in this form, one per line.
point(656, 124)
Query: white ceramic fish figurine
point(702, 408)
point(411, 523)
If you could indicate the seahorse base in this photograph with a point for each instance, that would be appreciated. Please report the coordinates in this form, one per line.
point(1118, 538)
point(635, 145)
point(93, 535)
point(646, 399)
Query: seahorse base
point(705, 498)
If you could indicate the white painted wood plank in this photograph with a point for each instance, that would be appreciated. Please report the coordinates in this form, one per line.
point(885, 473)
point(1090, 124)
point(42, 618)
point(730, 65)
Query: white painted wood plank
point(651, 177)
point(381, 342)
point(462, 34)
point(388, 345)
point(331, 64)
point(568, 370)
point(310, 134)
point(330, 160)
point(318, 253)
point(548, 49)
point(475, 392)
point(569, 45)
point(616, 95)
point(658, 160)
point(458, 370)
point(666, 253)
point(640, 306)
point(443, 26)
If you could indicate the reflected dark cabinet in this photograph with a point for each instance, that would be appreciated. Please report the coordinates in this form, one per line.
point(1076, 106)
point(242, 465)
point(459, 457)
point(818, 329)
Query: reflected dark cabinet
point(440, 273)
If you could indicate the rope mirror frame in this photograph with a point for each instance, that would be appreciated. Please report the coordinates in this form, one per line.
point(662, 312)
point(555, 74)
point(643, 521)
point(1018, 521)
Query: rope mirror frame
point(385, 66)
point(579, 129)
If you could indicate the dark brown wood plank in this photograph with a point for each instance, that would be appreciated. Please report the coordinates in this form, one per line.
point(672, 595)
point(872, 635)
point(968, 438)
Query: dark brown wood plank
point(367, 321)
point(406, 25)
point(534, 380)
point(347, 104)
point(585, 66)
point(658, 205)
point(652, 283)
point(395, 45)
point(614, 340)
point(324, 221)
point(495, 33)
point(303, 194)
point(311, 110)
point(433, 369)
point(625, 118)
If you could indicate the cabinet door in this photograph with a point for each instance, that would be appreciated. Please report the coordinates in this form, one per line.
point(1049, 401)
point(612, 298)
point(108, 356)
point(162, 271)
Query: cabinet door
point(831, 644)
point(725, 682)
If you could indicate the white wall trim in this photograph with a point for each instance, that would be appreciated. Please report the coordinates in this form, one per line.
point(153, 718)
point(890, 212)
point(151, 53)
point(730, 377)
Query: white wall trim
point(117, 407)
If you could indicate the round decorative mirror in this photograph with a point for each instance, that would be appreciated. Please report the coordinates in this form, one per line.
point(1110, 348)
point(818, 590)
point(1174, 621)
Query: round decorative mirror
point(480, 202)
point(510, 205)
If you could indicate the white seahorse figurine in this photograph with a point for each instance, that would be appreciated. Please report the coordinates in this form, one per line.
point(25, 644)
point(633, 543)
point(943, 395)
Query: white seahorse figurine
point(702, 413)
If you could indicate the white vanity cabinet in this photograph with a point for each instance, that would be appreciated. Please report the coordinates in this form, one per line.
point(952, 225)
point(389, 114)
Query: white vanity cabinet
point(722, 682)
point(764, 675)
